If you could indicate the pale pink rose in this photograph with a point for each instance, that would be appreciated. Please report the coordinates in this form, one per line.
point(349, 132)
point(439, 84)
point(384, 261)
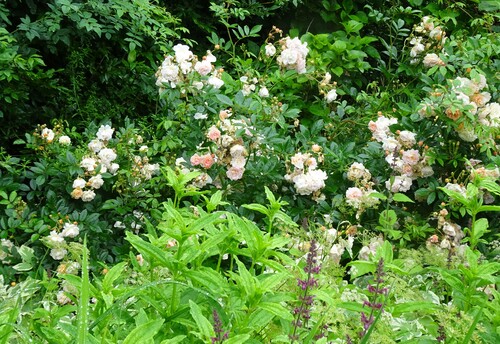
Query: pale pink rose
point(207, 160)
point(213, 133)
point(203, 67)
point(195, 160)
point(411, 156)
point(235, 173)
point(354, 193)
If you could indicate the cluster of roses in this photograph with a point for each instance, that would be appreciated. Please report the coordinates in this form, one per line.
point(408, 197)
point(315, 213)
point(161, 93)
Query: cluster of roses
point(306, 176)
point(179, 69)
point(452, 232)
point(427, 36)
point(293, 54)
point(360, 196)
point(327, 88)
point(141, 169)
point(99, 161)
point(467, 104)
point(56, 239)
point(401, 154)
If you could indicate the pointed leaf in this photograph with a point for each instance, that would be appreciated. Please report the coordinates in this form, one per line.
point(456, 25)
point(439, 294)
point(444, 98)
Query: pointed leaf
point(204, 325)
point(144, 332)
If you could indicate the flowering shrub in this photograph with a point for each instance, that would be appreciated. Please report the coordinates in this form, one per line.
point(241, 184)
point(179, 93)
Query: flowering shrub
point(272, 182)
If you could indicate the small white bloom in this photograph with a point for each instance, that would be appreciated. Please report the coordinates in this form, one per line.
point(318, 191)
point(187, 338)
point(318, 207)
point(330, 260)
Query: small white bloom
point(96, 181)
point(203, 67)
point(263, 92)
point(107, 155)
point(431, 60)
point(62, 298)
point(200, 115)
point(105, 132)
point(270, 49)
point(48, 134)
point(65, 140)
point(70, 230)
point(215, 82)
point(182, 53)
point(79, 183)
point(95, 145)
point(89, 164)
point(55, 239)
point(331, 96)
point(58, 253)
point(113, 168)
point(143, 149)
point(88, 195)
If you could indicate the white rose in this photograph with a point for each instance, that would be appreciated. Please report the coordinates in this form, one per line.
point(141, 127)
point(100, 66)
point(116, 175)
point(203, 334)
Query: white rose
point(70, 230)
point(58, 253)
point(105, 132)
point(65, 140)
point(88, 196)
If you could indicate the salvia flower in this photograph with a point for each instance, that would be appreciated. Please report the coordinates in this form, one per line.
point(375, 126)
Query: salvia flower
point(302, 313)
point(220, 334)
point(375, 302)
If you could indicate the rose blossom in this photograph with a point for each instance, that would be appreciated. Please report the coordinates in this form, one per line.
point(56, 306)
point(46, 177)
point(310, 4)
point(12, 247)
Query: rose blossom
point(213, 133)
point(235, 173)
point(331, 96)
point(79, 183)
point(96, 181)
point(270, 49)
point(65, 140)
point(411, 156)
point(88, 196)
point(70, 230)
point(58, 253)
point(89, 164)
point(195, 160)
point(105, 132)
point(48, 134)
point(203, 67)
point(207, 160)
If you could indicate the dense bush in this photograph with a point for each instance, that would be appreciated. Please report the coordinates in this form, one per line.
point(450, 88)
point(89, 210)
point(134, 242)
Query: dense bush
point(331, 180)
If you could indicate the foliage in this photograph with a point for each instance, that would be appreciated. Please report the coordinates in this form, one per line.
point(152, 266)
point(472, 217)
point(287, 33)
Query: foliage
point(332, 180)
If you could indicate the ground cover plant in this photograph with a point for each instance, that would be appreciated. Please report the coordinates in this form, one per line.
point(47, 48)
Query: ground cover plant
point(250, 176)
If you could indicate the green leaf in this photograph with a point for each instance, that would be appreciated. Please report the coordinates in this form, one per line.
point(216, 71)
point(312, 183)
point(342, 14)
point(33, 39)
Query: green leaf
point(414, 306)
point(144, 332)
point(175, 340)
point(399, 197)
point(112, 275)
point(257, 207)
point(361, 267)
point(489, 5)
point(204, 325)
point(238, 339)
point(202, 222)
point(378, 195)
point(277, 310)
point(224, 99)
point(84, 299)
point(339, 46)
point(148, 250)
